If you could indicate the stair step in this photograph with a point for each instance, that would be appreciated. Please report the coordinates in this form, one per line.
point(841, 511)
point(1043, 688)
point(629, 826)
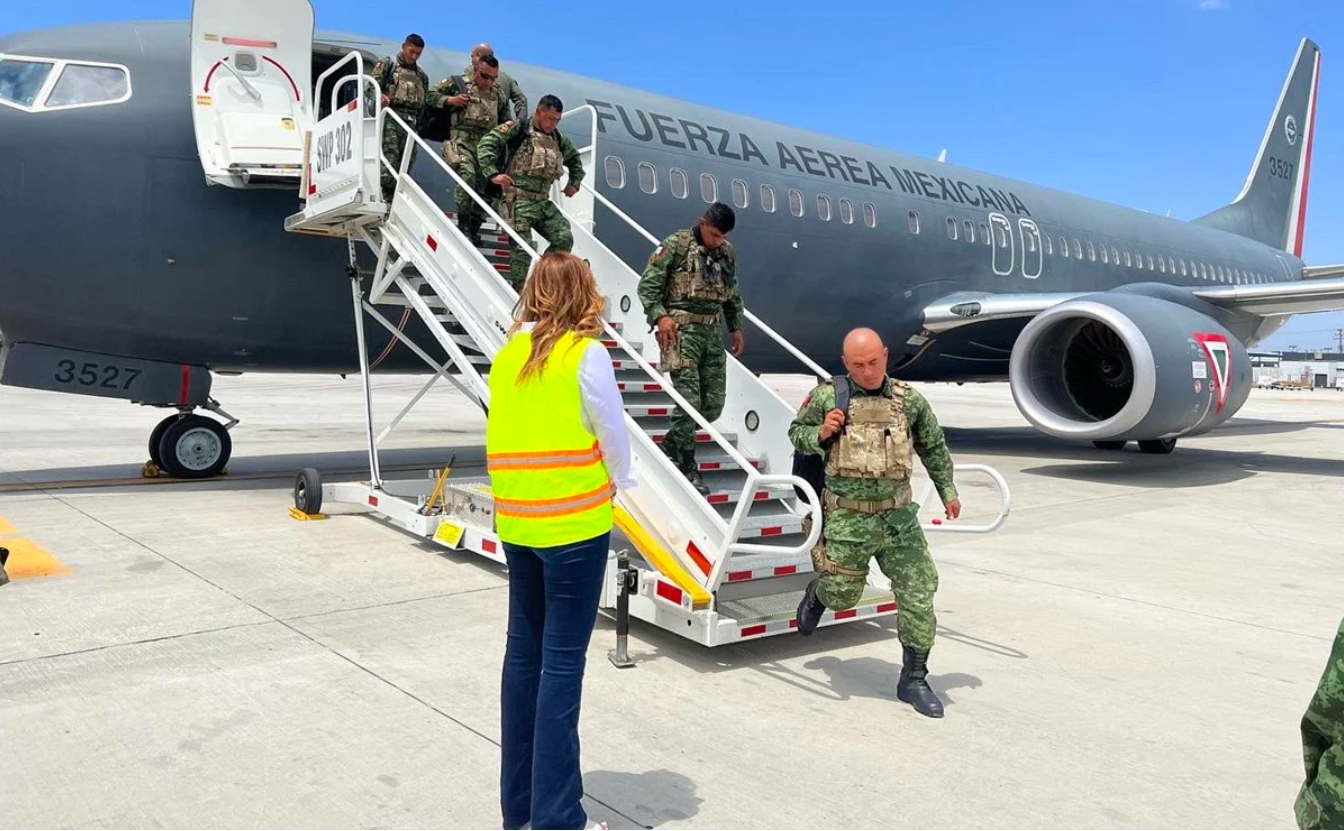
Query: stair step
point(772, 614)
point(701, 437)
point(620, 364)
point(636, 387)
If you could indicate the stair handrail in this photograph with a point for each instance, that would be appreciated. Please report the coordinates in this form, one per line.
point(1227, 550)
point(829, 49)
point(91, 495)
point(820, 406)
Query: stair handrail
point(719, 523)
point(747, 313)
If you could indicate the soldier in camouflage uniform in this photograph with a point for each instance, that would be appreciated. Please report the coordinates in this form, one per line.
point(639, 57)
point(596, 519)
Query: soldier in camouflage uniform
point(477, 108)
point(1320, 802)
point(508, 88)
point(867, 506)
point(521, 160)
point(405, 90)
point(689, 288)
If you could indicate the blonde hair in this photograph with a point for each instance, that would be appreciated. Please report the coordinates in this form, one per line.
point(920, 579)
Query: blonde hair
point(560, 296)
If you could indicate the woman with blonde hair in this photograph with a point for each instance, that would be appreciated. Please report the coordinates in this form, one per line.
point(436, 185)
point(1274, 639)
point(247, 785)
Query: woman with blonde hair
point(557, 450)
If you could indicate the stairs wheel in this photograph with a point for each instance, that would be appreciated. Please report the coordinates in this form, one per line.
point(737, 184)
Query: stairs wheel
point(308, 491)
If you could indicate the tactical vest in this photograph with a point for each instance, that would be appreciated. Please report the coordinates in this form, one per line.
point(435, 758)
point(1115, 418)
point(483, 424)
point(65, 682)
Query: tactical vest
point(482, 110)
point(875, 442)
point(688, 281)
point(408, 87)
point(538, 158)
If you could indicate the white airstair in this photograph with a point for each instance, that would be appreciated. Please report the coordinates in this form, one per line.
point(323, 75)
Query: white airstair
point(717, 569)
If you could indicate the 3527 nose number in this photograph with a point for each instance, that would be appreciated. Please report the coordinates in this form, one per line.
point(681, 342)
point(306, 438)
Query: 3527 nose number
point(96, 375)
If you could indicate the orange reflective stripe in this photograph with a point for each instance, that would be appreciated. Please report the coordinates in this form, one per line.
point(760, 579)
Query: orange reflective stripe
point(543, 459)
point(556, 507)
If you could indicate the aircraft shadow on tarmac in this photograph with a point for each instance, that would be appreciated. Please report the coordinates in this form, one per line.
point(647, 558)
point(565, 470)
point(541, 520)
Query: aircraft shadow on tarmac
point(1189, 466)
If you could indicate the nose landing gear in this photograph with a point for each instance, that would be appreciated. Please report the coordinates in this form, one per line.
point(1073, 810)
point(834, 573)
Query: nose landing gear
point(190, 446)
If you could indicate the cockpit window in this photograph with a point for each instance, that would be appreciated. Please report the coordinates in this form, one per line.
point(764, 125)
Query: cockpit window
point(87, 84)
point(21, 81)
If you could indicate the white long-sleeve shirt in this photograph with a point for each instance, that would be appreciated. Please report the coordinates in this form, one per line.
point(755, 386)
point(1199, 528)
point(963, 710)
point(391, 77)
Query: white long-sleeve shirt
point(603, 413)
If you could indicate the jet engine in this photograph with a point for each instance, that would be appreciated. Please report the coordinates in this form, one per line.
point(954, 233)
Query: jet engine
point(1117, 366)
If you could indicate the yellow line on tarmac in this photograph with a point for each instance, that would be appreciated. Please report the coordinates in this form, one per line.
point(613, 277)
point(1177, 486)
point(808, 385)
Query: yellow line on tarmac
point(28, 559)
point(7, 527)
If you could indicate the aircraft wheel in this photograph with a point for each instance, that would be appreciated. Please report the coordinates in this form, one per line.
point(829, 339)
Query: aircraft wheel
point(156, 436)
point(308, 491)
point(195, 447)
point(1110, 445)
point(1160, 447)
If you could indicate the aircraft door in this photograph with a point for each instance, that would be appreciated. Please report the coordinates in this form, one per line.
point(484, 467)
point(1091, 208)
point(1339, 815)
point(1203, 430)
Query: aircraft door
point(1002, 244)
point(251, 89)
point(1032, 255)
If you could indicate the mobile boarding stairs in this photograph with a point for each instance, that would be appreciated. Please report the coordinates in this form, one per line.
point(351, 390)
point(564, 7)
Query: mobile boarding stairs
point(717, 569)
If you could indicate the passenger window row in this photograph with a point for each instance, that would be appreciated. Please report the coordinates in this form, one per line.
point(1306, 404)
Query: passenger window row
point(679, 183)
point(1076, 249)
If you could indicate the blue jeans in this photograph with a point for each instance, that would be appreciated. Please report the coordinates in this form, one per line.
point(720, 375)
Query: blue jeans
point(553, 595)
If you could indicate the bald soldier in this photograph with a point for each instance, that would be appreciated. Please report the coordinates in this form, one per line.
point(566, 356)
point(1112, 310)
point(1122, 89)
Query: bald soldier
point(505, 85)
point(866, 503)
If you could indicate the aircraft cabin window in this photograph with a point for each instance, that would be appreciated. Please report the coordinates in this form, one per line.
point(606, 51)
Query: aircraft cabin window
point(1184, 273)
point(739, 193)
point(970, 231)
point(648, 178)
point(82, 84)
point(824, 207)
point(914, 222)
point(1063, 247)
point(951, 228)
point(984, 233)
point(846, 211)
point(1128, 262)
point(1162, 265)
point(709, 187)
point(21, 81)
point(1077, 248)
point(1049, 245)
point(1001, 235)
point(796, 202)
point(1150, 262)
point(1091, 252)
point(680, 185)
point(768, 199)
point(1171, 265)
point(615, 172)
point(869, 215)
point(1106, 260)
point(1115, 255)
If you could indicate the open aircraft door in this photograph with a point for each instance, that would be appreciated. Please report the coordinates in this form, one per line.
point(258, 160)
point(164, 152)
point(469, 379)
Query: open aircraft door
point(251, 89)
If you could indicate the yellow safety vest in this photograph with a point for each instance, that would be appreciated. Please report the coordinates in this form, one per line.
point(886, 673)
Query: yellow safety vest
point(549, 483)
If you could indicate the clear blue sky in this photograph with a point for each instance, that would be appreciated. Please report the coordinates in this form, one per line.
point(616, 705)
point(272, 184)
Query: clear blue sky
point(1154, 104)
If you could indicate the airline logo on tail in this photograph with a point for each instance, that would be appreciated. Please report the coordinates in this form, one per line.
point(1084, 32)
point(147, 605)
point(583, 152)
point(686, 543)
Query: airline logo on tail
point(1220, 360)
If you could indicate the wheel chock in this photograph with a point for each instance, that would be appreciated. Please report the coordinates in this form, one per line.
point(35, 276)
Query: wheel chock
point(295, 513)
point(150, 471)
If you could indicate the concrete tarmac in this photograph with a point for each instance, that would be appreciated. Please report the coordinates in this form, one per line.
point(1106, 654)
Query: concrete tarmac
point(1133, 648)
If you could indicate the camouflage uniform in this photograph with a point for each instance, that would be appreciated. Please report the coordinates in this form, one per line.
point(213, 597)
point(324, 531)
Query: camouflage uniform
point(868, 514)
point(486, 109)
point(1320, 802)
point(408, 87)
point(509, 91)
point(698, 288)
point(534, 160)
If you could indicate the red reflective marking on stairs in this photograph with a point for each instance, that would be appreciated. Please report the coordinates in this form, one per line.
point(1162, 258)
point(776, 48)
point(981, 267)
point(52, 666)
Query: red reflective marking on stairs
point(886, 607)
point(433, 243)
point(669, 592)
point(847, 614)
point(489, 545)
point(772, 531)
point(781, 571)
point(737, 576)
point(749, 631)
point(700, 559)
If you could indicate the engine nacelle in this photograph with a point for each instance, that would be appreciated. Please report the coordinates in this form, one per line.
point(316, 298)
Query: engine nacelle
point(1127, 366)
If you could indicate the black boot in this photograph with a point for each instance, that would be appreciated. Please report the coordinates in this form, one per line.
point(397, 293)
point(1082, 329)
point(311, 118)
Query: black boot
point(810, 609)
point(913, 689)
point(697, 481)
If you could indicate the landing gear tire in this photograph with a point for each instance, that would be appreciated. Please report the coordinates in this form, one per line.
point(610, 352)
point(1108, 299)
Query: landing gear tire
point(194, 447)
point(1110, 445)
point(1159, 447)
point(156, 436)
point(308, 491)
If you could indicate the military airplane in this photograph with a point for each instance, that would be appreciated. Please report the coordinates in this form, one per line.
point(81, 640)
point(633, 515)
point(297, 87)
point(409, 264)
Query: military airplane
point(136, 261)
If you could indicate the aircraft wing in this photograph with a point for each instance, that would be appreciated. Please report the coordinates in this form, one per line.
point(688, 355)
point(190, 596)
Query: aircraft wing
point(1302, 297)
point(1316, 295)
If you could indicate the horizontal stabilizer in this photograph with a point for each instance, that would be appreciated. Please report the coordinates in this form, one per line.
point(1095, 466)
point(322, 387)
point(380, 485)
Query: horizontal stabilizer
point(1321, 272)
